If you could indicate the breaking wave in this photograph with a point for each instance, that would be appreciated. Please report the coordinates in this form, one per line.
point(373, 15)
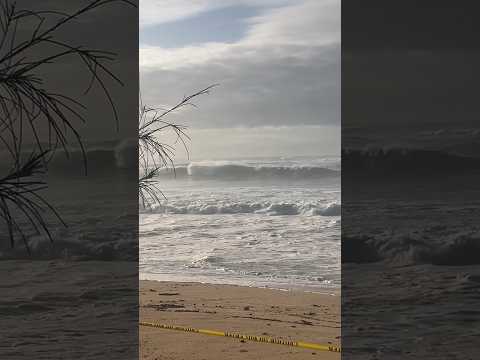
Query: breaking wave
point(74, 249)
point(233, 171)
point(115, 240)
point(458, 249)
point(266, 208)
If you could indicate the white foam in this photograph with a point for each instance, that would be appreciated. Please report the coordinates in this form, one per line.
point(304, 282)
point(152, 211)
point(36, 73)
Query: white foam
point(267, 208)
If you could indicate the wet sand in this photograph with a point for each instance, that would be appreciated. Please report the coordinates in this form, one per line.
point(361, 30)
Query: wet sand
point(286, 315)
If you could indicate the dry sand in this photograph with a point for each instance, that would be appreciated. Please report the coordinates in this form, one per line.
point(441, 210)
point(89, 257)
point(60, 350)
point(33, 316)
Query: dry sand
point(287, 315)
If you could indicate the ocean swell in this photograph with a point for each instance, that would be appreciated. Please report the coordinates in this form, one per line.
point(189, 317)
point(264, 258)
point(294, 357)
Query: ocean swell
point(406, 162)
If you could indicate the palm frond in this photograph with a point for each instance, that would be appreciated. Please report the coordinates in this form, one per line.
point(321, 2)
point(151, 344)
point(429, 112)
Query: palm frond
point(24, 100)
point(154, 154)
point(22, 206)
point(27, 104)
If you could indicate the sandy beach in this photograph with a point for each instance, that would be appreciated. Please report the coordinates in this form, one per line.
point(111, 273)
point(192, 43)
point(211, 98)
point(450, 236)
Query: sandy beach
point(287, 315)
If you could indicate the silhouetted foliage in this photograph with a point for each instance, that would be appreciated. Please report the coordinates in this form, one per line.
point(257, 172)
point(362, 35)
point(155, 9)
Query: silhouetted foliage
point(27, 105)
point(154, 153)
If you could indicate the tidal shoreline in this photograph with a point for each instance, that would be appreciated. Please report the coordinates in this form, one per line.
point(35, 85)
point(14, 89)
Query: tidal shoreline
point(287, 315)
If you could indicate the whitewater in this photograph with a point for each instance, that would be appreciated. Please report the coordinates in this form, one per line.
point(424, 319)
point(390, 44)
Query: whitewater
point(255, 222)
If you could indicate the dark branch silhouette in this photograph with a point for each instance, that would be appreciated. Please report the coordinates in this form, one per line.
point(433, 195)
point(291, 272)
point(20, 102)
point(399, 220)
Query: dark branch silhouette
point(154, 154)
point(26, 104)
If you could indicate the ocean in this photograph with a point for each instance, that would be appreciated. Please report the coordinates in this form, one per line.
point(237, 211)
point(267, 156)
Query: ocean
point(410, 245)
point(270, 222)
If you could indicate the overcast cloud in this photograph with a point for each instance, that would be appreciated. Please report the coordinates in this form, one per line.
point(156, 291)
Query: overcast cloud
point(277, 62)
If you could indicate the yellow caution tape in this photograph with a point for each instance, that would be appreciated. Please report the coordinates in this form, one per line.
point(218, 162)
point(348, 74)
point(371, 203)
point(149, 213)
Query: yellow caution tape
point(263, 339)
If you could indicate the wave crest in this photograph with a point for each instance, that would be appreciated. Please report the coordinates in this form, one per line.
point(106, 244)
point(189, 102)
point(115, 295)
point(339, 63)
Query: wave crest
point(232, 171)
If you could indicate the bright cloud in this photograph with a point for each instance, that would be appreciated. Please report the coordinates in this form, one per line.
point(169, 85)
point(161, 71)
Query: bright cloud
point(285, 71)
point(154, 12)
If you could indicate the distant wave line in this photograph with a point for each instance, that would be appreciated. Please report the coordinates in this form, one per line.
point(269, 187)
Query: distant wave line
point(241, 171)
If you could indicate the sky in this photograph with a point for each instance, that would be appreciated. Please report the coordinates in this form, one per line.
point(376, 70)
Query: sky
point(277, 63)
